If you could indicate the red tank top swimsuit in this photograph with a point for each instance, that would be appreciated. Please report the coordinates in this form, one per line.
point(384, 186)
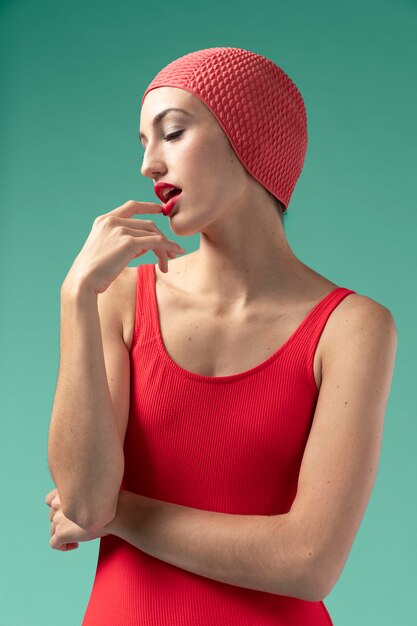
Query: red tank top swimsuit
point(232, 444)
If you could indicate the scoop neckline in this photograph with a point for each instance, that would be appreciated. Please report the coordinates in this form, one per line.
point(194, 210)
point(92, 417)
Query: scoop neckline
point(230, 377)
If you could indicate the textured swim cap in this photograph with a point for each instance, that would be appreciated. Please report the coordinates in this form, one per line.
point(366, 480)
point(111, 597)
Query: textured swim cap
point(258, 106)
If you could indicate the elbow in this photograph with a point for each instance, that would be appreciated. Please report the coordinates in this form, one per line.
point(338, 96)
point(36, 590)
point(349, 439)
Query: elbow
point(315, 567)
point(91, 509)
point(318, 579)
point(91, 517)
point(315, 590)
point(91, 521)
point(95, 523)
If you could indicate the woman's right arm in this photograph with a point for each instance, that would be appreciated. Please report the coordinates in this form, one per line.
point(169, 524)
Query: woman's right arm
point(85, 447)
point(85, 444)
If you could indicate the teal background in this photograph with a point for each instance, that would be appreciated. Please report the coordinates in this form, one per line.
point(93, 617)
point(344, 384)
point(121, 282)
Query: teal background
point(72, 76)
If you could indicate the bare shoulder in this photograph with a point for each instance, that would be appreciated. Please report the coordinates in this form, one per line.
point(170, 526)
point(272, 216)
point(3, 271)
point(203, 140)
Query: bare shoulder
point(125, 288)
point(361, 319)
point(123, 296)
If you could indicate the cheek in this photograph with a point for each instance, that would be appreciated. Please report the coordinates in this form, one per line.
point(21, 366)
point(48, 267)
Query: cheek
point(212, 173)
point(217, 164)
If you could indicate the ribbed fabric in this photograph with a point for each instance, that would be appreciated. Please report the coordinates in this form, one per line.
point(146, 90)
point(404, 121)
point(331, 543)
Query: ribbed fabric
point(232, 444)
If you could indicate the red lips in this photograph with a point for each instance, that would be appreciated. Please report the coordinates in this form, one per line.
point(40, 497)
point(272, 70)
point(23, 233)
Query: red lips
point(160, 187)
point(169, 206)
point(159, 191)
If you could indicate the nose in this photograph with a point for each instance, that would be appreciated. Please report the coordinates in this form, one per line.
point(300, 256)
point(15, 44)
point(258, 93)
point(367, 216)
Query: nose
point(152, 163)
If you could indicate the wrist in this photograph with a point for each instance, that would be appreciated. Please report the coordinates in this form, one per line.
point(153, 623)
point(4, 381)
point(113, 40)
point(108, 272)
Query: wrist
point(115, 525)
point(78, 279)
point(119, 523)
point(77, 289)
point(133, 518)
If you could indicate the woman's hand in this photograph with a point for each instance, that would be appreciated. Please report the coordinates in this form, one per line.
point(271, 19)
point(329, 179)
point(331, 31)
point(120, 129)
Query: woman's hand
point(65, 534)
point(115, 239)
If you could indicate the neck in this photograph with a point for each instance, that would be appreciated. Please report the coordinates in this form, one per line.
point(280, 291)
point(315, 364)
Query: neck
point(244, 259)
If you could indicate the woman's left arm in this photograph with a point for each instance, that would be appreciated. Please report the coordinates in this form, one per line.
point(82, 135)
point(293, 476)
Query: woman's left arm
point(340, 462)
point(303, 552)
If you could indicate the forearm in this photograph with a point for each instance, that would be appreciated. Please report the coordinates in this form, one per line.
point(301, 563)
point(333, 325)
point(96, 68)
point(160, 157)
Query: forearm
point(264, 553)
point(85, 453)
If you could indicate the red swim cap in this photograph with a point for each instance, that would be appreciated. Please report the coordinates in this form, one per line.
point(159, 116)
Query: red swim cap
point(258, 106)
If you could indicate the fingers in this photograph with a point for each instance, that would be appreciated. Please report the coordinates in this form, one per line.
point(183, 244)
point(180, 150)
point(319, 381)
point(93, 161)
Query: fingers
point(137, 228)
point(55, 506)
point(140, 228)
point(158, 241)
point(133, 207)
point(65, 547)
point(55, 503)
point(54, 541)
point(159, 244)
point(50, 496)
point(52, 500)
point(163, 261)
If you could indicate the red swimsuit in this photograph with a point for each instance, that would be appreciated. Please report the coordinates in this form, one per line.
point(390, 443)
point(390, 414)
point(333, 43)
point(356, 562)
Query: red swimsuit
point(232, 444)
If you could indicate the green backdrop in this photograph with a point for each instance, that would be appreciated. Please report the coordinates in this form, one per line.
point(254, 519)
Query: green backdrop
point(72, 76)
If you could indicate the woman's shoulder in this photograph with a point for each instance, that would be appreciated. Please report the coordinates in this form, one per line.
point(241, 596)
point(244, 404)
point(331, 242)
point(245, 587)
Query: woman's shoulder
point(125, 291)
point(352, 319)
point(355, 304)
point(354, 316)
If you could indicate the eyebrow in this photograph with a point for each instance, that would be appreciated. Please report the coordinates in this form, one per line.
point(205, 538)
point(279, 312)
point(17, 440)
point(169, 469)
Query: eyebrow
point(162, 114)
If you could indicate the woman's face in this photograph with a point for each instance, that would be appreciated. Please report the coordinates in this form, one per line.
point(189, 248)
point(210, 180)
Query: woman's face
point(191, 151)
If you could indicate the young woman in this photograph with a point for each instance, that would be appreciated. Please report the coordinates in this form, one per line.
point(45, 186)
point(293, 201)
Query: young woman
point(218, 417)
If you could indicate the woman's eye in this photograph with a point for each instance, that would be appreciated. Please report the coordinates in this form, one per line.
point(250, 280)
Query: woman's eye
point(171, 136)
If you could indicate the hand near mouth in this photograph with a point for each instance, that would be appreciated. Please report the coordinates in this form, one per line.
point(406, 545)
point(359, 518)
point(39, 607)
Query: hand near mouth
point(115, 239)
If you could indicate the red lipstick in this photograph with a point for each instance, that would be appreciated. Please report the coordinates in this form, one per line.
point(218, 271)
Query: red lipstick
point(160, 190)
point(168, 207)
